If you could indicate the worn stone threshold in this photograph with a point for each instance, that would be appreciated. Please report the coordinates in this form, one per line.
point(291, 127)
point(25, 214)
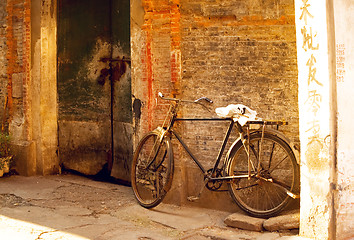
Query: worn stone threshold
point(286, 221)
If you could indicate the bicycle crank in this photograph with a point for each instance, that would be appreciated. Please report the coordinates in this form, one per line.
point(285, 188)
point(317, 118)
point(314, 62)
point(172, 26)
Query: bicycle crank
point(214, 185)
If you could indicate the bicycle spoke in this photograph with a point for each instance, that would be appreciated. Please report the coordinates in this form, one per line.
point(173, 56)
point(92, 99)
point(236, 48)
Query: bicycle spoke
point(281, 183)
point(159, 164)
point(271, 156)
point(153, 152)
point(152, 170)
point(238, 173)
point(270, 171)
point(257, 197)
point(255, 154)
point(264, 194)
point(280, 193)
point(240, 188)
point(271, 200)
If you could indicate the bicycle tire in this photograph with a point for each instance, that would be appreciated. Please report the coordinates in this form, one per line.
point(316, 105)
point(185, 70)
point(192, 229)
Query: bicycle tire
point(150, 185)
point(260, 197)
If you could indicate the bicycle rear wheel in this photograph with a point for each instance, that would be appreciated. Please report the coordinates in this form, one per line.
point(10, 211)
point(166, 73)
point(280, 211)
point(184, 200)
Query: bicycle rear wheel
point(264, 195)
point(152, 170)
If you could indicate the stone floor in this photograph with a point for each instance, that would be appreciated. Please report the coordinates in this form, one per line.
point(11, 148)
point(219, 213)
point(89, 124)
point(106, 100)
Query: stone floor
point(74, 207)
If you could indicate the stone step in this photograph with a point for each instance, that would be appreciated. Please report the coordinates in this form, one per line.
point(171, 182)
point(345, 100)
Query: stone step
point(283, 222)
point(239, 220)
point(286, 221)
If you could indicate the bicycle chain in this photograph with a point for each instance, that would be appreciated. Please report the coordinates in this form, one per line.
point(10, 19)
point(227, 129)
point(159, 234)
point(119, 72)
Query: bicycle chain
point(215, 185)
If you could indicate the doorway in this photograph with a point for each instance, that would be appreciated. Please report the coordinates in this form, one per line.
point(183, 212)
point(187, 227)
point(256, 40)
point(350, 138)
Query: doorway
point(94, 86)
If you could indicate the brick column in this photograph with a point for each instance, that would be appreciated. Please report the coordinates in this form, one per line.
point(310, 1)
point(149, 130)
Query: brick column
point(19, 87)
point(31, 38)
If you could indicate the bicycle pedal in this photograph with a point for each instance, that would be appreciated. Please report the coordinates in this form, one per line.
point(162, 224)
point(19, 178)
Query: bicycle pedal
point(192, 198)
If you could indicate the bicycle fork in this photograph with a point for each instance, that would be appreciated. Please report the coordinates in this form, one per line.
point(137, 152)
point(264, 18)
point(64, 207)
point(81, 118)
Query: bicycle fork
point(159, 143)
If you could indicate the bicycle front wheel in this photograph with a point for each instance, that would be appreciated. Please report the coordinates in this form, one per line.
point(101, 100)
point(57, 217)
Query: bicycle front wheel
point(265, 192)
point(152, 170)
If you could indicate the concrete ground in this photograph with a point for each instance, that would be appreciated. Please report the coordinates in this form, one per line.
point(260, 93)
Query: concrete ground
point(74, 207)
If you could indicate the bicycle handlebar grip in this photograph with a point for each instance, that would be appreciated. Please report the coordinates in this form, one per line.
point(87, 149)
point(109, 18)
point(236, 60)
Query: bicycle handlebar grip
point(204, 98)
point(208, 100)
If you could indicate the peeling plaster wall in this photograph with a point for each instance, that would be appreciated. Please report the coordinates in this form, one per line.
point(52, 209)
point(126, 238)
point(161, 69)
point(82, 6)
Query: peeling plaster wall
point(40, 96)
point(344, 30)
point(325, 59)
point(315, 77)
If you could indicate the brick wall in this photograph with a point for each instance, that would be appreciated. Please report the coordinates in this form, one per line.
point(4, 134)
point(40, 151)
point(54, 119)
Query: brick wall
point(14, 56)
point(240, 52)
point(3, 60)
point(230, 51)
point(156, 60)
point(15, 78)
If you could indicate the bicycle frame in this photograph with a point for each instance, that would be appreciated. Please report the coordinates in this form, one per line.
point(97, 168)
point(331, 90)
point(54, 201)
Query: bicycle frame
point(211, 177)
point(222, 148)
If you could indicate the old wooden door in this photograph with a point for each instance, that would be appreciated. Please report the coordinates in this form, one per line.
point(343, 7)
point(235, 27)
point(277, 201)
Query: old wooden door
point(94, 86)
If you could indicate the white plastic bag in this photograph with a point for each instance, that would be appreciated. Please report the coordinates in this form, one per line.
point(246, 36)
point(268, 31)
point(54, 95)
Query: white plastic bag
point(238, 112)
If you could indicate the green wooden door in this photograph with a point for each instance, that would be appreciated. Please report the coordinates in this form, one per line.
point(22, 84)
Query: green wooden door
point(94, 86)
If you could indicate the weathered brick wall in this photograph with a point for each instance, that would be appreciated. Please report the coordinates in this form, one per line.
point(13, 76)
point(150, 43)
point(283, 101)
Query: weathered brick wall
point(15, 71)
point(230, 51)
point(151, 60)
point(15, 40)
point(240, 52)
point(3, 60)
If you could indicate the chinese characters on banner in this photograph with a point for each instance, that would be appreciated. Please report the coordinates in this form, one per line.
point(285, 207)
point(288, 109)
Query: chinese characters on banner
point(311, 46)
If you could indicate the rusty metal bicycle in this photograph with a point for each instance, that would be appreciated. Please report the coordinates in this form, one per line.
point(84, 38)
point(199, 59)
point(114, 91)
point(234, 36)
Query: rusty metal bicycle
point(260, 167)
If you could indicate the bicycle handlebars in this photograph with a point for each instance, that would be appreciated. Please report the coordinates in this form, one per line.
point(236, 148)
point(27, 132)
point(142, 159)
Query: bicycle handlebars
point(181, 100)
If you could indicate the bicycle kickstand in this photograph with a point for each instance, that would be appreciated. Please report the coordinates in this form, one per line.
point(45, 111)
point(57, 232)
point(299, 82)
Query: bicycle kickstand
point(195, 198)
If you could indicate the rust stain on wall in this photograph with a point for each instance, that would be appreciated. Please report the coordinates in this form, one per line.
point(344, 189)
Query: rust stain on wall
point(147, 64)
point(18, 42)
point(149, 79)
point(161, 20)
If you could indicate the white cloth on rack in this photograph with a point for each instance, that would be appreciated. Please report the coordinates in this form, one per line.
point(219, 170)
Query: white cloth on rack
point(238, 112)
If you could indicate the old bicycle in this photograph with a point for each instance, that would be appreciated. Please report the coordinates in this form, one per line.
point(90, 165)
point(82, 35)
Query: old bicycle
point(260, 167)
